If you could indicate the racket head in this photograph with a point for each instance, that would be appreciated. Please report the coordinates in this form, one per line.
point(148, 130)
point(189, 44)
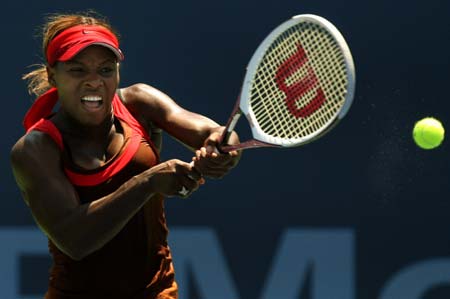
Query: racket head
point(299, 83)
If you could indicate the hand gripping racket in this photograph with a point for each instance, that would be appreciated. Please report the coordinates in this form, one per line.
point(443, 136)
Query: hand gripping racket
point(299, 83)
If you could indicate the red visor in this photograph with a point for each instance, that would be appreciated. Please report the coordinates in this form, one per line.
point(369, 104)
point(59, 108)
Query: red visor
point(71, 41)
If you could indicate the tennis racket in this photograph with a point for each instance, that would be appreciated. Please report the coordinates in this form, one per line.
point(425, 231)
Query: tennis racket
point(298, 85)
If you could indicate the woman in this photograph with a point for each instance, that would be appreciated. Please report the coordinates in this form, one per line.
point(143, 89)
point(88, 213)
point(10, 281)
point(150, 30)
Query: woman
point(90, 171)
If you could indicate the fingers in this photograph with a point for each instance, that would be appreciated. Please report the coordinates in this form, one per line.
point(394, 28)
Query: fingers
point(190, 180)
point(211, 163)
point(213, 169)
point(194, 173)
point(218, 158)
point(175, 178)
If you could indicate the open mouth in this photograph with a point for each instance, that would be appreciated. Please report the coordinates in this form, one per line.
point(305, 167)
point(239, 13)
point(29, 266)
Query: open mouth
point(92, 102)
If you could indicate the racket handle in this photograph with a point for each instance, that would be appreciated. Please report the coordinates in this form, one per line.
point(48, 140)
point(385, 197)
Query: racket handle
point(232, 121)
point(225, 137)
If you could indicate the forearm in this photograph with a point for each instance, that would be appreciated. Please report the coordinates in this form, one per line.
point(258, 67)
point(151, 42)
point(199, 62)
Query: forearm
point(193, 132)
point(90, 226)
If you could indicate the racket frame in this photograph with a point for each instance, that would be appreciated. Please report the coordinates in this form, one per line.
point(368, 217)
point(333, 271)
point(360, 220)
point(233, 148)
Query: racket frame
point(242, 106)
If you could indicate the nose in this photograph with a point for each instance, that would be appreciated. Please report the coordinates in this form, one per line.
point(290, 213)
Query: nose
point(94, 81)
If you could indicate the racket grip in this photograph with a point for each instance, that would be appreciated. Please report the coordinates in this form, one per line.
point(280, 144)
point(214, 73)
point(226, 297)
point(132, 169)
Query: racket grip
point(225, 137)
point(223, 141)
point(229, 129)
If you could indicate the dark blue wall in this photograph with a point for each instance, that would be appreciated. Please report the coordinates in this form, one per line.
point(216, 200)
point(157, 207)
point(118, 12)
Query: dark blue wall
point(366, 177)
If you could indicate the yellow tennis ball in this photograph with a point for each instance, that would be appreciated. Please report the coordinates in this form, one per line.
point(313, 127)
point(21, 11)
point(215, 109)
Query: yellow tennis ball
point(428, 133)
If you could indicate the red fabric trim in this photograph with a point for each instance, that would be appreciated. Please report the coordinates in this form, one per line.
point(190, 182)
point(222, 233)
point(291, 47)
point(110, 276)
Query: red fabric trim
point(122, 112)
point(42, 108)
point(49, 128)
point(116, 166)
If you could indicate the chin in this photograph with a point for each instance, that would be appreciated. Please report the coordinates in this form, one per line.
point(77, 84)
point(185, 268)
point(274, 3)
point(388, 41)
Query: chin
point(95, 121)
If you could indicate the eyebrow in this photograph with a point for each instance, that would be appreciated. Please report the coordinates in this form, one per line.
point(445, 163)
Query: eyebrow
point(74, 61)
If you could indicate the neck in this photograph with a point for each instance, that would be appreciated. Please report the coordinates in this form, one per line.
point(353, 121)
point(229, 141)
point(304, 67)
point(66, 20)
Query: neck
point(75, 129)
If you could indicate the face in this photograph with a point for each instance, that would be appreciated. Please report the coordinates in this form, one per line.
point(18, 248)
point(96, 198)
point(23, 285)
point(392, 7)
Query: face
point(86, 85)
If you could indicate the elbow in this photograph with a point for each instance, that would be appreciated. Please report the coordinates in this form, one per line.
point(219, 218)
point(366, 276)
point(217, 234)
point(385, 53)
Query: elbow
point(75, 252)
point(74, 255)
point(70, 245)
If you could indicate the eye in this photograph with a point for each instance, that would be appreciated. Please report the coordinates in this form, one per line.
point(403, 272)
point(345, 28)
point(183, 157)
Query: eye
point(107, 71)
point(76, 70)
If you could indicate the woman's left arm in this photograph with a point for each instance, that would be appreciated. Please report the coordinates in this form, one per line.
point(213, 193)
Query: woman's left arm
point(196, 131)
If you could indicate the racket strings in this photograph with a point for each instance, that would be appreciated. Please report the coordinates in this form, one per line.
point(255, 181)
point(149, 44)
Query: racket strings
point(300, 83)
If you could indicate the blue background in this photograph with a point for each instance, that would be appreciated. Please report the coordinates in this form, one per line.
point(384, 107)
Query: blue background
point(366, 175)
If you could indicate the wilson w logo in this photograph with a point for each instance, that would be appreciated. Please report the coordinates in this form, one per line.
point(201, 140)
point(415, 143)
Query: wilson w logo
point(298, 89)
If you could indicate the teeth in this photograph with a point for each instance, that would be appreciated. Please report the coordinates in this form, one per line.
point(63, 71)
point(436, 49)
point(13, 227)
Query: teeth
point(91, 98)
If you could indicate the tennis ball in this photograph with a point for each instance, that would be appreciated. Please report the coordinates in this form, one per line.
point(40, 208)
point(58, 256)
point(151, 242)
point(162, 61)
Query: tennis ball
point(428, 133)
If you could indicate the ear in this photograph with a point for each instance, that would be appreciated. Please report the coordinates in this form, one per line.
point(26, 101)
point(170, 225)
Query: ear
point(51, 76)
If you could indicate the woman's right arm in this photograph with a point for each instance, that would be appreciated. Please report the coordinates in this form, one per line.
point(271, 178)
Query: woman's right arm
point(80, 229)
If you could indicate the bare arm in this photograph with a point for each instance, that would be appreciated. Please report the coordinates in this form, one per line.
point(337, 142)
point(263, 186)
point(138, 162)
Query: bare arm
point(198, 132)
point(147, 103)
point(80, 229)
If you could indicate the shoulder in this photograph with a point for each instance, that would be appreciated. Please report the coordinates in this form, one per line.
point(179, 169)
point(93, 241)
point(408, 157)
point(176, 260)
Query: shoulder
point(148, 104)
point(33, 150)
point(142, 94)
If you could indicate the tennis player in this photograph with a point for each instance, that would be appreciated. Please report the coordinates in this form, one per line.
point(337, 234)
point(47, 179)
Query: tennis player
point(89, 167)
